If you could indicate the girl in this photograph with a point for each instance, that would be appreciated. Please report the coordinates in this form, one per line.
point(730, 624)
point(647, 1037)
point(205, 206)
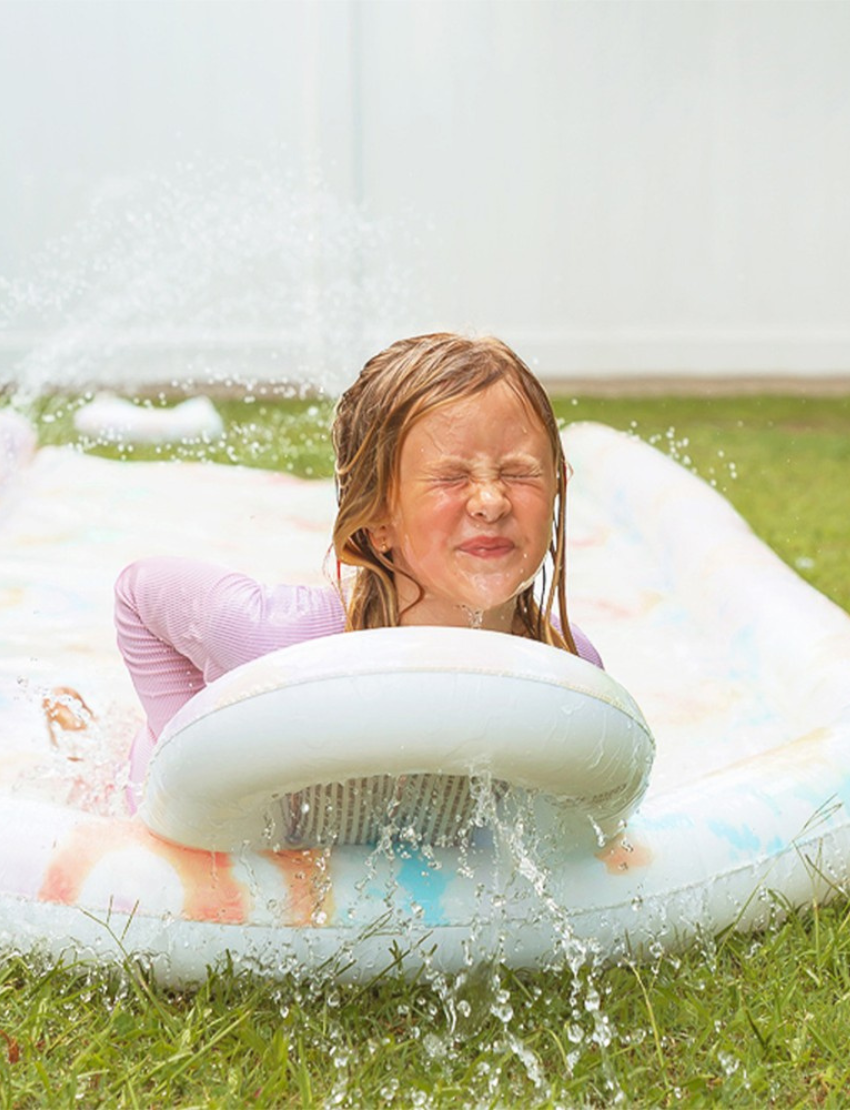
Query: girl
point(451, 485)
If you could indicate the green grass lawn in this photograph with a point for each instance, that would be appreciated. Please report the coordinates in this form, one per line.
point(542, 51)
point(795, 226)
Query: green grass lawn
point(738, 1021)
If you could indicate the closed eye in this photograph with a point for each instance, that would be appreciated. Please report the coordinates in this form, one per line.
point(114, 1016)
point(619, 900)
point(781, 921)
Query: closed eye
point(449, 479)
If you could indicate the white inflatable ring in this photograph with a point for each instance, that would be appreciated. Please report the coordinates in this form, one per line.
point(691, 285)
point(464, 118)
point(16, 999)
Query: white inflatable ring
point(393, 702)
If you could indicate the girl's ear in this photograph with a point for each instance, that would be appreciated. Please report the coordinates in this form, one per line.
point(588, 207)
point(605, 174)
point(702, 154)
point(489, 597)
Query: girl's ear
point(380, 535)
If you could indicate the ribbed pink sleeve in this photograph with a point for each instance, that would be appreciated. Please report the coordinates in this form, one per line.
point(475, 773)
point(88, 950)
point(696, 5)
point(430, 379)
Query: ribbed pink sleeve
point(584, 647)
point(181, 624)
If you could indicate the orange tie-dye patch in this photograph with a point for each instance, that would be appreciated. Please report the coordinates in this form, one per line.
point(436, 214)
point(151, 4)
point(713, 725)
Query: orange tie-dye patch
point(211, 892)
point(623, 855)
point(308, 885)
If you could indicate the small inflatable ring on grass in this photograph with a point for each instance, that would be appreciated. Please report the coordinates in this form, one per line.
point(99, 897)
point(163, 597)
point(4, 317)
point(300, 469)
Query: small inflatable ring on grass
point(346, 723)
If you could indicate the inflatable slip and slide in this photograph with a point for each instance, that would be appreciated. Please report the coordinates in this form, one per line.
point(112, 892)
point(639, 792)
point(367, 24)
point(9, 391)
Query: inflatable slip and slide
point(697, 784)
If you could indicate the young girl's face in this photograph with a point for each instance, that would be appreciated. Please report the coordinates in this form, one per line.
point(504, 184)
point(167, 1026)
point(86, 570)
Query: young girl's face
point(471, 517)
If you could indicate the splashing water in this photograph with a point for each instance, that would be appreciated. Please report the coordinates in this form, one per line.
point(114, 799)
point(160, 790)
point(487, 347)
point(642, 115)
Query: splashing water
point(224, 275)
point(482, 996)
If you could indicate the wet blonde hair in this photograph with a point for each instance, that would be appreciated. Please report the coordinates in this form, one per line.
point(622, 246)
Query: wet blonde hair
point(395, 389)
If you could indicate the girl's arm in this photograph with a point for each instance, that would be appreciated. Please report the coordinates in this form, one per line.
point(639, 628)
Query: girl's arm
point(182, 623)
point(585, 648)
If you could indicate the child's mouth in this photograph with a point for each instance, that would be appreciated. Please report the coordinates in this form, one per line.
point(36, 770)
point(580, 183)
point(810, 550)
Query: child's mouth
point(487, 548)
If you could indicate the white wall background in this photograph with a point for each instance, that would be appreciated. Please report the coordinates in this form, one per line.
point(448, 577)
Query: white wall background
point(615, 188)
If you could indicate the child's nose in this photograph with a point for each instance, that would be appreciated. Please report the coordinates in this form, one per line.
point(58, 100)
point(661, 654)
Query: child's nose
point(488, 499)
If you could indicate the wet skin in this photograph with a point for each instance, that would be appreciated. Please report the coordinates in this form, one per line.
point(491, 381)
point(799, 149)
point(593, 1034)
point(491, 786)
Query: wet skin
point(471, 518)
